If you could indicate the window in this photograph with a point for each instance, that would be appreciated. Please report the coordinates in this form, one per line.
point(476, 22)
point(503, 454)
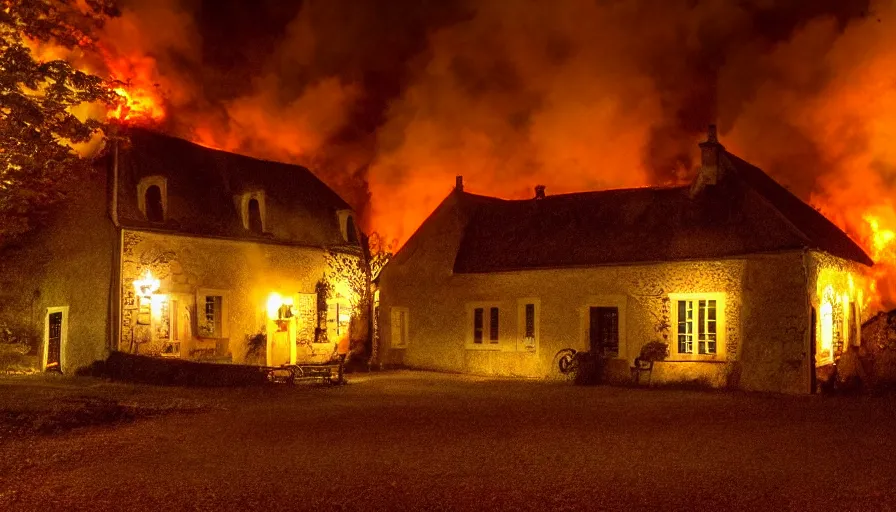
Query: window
point(399, 327)
point(211, 317)
point(154, 210)
point(172, 345)
point(211, 325)
point(603, 330)
point(347, 226)
point(486, 332)
point(254, 213)
point(152, 198)
point(253, 210)
point(530, 321)
point(826, 331)
point(698, 330)
point(477, 325)
point(351, 235)
point(527, 324)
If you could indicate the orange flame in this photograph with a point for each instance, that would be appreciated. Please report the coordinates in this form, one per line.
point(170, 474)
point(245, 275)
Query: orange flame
point(136, 104)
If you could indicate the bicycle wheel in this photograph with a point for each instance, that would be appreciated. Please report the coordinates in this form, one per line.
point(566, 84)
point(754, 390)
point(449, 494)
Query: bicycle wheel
point(564, 363)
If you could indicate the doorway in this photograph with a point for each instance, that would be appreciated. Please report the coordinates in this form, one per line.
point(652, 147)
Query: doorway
point(603, 331)
point(55, 337)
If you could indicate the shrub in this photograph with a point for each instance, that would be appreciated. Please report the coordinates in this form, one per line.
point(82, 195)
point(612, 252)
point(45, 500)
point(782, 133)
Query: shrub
point(654, 351)
point(256, 345)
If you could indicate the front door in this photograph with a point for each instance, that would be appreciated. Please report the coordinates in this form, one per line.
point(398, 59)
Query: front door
point(603, 331)
point(54, 342)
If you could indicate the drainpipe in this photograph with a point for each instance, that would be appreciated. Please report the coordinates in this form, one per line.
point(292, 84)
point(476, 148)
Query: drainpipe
point(115, 274)
point(807, 348)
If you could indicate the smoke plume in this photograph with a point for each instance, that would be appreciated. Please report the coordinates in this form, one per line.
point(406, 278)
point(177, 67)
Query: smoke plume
point(388, 101)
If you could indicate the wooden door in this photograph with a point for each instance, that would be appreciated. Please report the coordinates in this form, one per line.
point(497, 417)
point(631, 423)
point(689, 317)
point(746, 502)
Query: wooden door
point(54, 342)
point(603, 329)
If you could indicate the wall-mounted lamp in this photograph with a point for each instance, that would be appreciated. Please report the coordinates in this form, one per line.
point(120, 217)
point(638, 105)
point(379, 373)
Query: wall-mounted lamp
point(146, 286)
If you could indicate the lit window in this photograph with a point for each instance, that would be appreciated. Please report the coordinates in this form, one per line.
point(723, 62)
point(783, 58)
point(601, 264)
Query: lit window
point(697, 325)
point(399, 327)
point(211, 320)
point(826, 331)
point(211, 313)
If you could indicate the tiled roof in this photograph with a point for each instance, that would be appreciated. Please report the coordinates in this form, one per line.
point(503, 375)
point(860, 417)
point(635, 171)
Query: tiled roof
point(203, 183)
point(746, 213)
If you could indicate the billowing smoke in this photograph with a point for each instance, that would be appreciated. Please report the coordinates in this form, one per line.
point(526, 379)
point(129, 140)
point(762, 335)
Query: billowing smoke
point(388, 101)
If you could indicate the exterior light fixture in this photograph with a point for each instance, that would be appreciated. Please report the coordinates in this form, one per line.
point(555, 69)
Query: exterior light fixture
point(146, 286)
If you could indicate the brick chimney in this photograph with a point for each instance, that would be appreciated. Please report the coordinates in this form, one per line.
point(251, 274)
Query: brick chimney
point(539, 191)
point(710, 162)
point(459, 183)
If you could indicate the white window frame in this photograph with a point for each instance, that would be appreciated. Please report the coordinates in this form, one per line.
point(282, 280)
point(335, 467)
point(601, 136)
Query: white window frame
point(487, 342)
point(150, 181)
point(201, 295)
point(243, 207)
point(63, 338)
point(399, 340)
point(521, 344)
point(721, 327)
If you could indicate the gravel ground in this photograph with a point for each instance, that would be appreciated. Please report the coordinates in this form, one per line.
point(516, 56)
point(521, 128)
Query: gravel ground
point(414, 441)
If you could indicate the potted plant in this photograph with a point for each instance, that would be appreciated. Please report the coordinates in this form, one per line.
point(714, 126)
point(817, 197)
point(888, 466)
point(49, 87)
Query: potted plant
point(650, 353)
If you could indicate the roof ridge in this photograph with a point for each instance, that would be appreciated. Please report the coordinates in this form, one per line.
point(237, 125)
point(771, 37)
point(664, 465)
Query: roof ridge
point(765, 200)
point(859, 253)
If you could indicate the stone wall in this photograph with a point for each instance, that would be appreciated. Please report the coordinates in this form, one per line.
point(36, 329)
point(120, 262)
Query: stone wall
point(766, 317)
point(66, 263)
point(246, 272)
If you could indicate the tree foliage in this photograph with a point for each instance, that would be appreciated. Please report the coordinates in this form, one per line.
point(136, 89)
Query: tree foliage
point(37, 127)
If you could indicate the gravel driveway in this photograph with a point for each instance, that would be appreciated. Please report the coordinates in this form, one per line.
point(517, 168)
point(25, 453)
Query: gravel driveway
point(415, 440)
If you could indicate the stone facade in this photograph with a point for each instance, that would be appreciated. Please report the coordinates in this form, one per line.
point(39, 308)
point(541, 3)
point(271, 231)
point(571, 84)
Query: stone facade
point(65, 264)
point(164, 209)
point(766, 321)
point(244, 274)
point(765, 327)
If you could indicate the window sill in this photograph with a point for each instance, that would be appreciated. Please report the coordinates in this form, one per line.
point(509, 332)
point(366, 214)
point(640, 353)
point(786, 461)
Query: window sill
point(494, 347)
point(695, 359)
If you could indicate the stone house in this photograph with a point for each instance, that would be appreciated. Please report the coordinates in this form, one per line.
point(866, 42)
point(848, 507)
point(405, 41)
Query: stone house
point(177, 250)
point(748, 286)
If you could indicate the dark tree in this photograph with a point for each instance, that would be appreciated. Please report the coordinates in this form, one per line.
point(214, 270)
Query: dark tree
point(37, 127)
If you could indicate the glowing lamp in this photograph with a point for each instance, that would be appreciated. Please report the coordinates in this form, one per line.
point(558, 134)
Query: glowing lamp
point(146, 286)
point(279, 308)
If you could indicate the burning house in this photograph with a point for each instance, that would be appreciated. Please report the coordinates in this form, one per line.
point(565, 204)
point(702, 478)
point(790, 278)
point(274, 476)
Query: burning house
point(177, 250)
point(748, 286)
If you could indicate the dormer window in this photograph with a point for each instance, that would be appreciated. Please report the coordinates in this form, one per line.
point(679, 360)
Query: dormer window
point(255, 225)
point(152, 198)
point(347, 226)
point(252, 210)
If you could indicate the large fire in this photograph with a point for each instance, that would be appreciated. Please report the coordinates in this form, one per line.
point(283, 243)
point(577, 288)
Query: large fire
point(581, 95)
